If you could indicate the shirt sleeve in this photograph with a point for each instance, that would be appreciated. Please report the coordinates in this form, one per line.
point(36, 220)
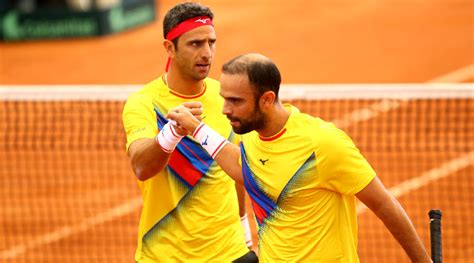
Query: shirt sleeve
point(341, 166)
point(139, 118)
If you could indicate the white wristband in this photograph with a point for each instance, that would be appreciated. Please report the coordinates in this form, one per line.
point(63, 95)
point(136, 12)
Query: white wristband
point(247, 234)
point(209, 139)
point(168, 138)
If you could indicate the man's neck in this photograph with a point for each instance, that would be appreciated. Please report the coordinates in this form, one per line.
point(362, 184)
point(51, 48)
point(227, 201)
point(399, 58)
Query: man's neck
point(276, 120)
point(183, 86)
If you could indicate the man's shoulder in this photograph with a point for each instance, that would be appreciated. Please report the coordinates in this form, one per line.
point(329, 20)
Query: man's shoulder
point(304, 121)
point(314, 129)
point(146, 92)
point(152, 86)
point(319, 127)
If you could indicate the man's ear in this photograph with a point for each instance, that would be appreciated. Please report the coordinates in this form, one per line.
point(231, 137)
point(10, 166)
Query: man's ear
point(267, 99)
point(169, 47)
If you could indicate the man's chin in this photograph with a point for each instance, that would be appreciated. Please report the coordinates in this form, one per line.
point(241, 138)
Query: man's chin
point(203, 73)
point(198, 76)
point(235, 129)
point(239, 130)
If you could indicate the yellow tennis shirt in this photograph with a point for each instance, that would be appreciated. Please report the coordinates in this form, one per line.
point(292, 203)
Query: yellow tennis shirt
point(302, 183)
point(190, 208)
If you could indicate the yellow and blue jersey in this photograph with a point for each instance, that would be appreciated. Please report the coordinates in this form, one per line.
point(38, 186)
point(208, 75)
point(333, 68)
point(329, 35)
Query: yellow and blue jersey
point(302, 184)
point(190, 208)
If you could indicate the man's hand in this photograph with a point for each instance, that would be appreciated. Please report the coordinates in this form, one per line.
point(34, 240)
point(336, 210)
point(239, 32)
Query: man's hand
point(187, 117)
point(386, 207)
point(191, 109)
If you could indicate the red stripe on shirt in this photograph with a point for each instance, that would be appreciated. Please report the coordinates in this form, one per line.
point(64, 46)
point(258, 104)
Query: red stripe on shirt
point(184, 168)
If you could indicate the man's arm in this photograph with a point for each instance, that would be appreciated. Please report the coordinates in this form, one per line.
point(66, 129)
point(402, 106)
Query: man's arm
point(243, 215)
point(386, 207)
point(149, 156)
point(227, 157)
point(241, 197)
point(228, 160)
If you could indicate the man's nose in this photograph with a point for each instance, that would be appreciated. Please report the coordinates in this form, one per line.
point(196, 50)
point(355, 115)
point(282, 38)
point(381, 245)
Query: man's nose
point(226, 110)
point(206, 51)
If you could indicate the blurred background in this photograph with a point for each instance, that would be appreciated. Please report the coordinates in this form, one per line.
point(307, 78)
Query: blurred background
point(396, 75)
point(323, 41)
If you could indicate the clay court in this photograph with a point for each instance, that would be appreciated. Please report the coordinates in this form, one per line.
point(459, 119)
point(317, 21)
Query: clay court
point(67, 192)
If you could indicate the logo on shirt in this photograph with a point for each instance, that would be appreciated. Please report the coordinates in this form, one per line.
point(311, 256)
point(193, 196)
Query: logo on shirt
point(205, 140)
point(202, 20)
point(263, 161)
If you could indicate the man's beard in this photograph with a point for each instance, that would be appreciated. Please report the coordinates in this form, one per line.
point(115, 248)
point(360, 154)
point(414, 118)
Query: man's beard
point(255, 122)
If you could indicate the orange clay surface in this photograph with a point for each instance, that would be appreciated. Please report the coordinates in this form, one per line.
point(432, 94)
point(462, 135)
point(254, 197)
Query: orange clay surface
point(324, 41)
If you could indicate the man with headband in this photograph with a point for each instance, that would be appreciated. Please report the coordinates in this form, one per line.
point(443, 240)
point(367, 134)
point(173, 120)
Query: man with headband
point(190, 206)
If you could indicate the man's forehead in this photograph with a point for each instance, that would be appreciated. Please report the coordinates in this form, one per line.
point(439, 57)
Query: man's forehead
point(200, 33)
point(235, 83)
point(235, 78)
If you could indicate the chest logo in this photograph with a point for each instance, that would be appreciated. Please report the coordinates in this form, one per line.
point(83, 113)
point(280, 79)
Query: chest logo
point(202, 20)
point(263, 161)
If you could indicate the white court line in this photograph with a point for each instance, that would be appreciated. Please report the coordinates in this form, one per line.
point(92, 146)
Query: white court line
point(358, 115)
point(368, 113)
point(385, 105)
point(459, 75)
point(427, 177)
point(66, 231)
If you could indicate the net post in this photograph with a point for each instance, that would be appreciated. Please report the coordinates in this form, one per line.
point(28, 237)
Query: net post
point(435, 235)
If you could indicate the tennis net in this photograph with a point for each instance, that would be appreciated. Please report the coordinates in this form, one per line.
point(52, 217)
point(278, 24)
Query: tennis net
point(68, 194)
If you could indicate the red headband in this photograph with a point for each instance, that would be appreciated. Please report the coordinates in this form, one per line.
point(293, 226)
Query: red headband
point(187, 25)
point(184, 27)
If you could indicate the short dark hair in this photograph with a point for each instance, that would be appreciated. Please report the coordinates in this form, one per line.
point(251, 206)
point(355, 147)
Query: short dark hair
point(263, 74)
point(182, 12)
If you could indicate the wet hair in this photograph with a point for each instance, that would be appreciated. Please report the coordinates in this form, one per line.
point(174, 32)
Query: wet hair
point(182, 12)
point(263, 74)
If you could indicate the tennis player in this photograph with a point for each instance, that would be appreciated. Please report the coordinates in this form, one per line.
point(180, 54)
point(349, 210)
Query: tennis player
point(302, 173)
point(190, 207)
